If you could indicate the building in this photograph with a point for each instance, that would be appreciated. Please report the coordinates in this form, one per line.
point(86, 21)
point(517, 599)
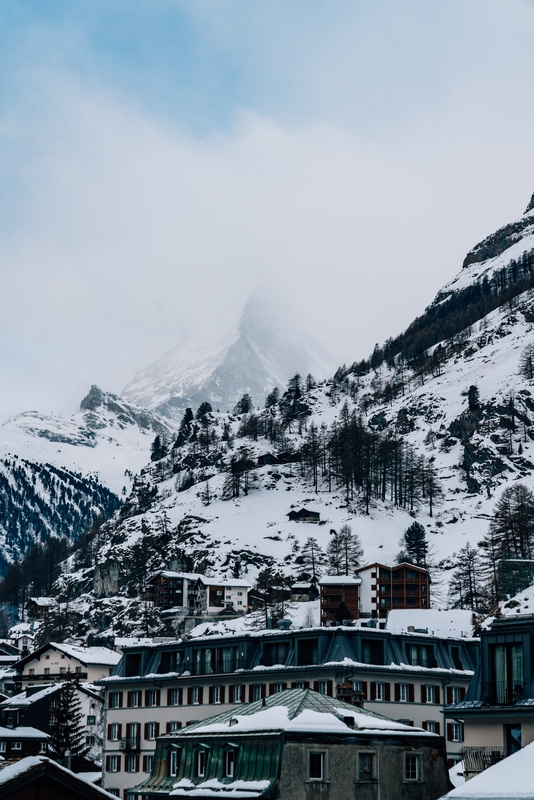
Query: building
point(297, 745)
point(214, 596)
point(39, 777)
point(385, 588)
point(303, 592)
point(40, 607)
point(164, 687)
point(169, 589)
point(35, 708)
point(17, 743)
point(304, 516)
point(498, 708)
point(53, 662)
point(337, 593)
point(509, 779)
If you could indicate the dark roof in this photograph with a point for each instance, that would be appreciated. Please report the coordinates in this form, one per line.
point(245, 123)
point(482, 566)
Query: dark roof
point(34, 769)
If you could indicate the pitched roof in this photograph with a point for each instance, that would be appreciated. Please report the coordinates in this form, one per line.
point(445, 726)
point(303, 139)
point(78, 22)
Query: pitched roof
point(22, 733)
point(30, 769)
point(296, 710)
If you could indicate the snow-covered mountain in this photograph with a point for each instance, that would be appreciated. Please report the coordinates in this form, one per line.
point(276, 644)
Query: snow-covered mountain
point(260, 352)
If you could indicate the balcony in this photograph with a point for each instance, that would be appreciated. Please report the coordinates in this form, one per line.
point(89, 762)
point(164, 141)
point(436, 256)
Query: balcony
point(502, 693)
point(477, 759)
point(130, 744)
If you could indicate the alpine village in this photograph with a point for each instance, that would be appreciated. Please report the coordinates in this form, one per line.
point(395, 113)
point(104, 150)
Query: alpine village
point(323, 591)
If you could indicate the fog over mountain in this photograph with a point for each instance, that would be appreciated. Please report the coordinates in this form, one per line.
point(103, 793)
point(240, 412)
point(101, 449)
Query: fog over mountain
point(262, 350)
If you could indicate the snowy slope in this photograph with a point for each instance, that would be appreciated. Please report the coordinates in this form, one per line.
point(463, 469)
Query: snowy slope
point(262, 351)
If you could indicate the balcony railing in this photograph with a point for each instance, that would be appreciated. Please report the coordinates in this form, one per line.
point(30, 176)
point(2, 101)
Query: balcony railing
point(477, 759)
point(130, 744)
point(502, 693)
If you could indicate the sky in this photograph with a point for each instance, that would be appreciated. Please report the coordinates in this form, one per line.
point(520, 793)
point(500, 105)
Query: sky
point(160, 159)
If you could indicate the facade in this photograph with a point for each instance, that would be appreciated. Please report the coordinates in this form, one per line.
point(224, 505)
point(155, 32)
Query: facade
point(162, 688)
point(17, 743)
point(298, 745)
point(35, 708)
point(54, 662)
point(40, 607)
point(385, 588)
point(304, 515)
point(498, 709)
point(173, 589)
point(197, 594)
point(336, 590)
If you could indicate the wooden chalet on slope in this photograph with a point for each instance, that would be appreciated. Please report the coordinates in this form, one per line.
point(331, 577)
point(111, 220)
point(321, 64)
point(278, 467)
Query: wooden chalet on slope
point(304, 515)
point(297, 745)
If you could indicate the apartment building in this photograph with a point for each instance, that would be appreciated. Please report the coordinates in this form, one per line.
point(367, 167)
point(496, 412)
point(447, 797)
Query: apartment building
point(56, 662)
point(198, 594)
point(160, 688)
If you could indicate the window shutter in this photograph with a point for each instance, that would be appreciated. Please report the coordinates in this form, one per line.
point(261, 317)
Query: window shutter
point(120, 699)
point(109, 733)
point(109, 699)
point(147, 697)
point(316, 686)
point(284, 686)
point(250, 693)
point(107, 763)
point(449, 696)
point(271, 689)
point(157, 728)
point(137, 763)
point(169, 696)
point(158, 697)
point(388, 691)
point(119, 733)
point(411, 723)
point(168, 727)
point(397, 692)
point(263, 690)
point(222, 694)
point(425, 725)
point(144, 764)
point(437, 727)
point(118, 763)
point(329, 689)
point(189, 696)
point(293, 685)
point(146, 730)
point(364, 689)
point(436, 694)
point(180, 697)
point(411, 693)
point(373, 690)
point(201, 695)
point(128, 730)
point(210, 695)
point(423, 694)
point(462, 693)
point(449, 731)
point(129, 699)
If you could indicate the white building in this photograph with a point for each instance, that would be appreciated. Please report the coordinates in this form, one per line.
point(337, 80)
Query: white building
point(55, 662)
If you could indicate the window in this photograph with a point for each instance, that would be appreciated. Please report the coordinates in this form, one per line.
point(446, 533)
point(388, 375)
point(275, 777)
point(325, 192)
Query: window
point(216, 694)
point(316, 766)
point(430, 726)
point(403, 693)
point(256, 691)
point(308, 652)
point(229, 763)
point(372, 651)
point(63, 670)
point(114, 732)
point(90, 741)
point(78, 670)
point(195, 695)
point(430, 694)
point(457, 732)
point(507, 673)
point(302, 685)
point(151, 731)
point(131, 764)
point(24, 642)
point(200, 763)
point(323, 687)
point(91, 720)
point(149, 763)
point(277, 688)
point(133, 699)
point(153, 697)
point(238, 693)
point(32, 671)
point(174, 697)
point(113, 764)
point(2, 747)
point(114, 701)
point(366, 766)
point(240, 594)
point(412, 767)
point(47, 658)
point(174, 726)
point(173, 762)
point(47, 671)
point(379, 691)
point(274, 653)
point(43, 747)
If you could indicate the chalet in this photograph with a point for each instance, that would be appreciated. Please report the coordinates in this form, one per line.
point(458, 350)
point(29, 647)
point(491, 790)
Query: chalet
point(266, 459)
point(214, 596)
point(401, 586)
point(36, 706)
point(340, 594)
point(54, 662)
point(304, 516)
point(303, 592)
point(289, 458)
point(17, 743)
point(166, 686)
point(40, 607)
point(295, 745)
point(40, 777)
point(169, 589)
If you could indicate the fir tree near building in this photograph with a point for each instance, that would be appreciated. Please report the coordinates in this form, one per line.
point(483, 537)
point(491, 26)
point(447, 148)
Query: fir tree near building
point(67, 744)
point(344, 551)
point(414, 546)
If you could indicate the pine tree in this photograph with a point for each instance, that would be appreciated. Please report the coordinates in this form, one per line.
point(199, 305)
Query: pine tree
point(311, 560)
point(526, 362)
point(512, 525)
point(466, 585)
point(473, 398)
point(414, 546)
point(67, 731)
point(344, 551)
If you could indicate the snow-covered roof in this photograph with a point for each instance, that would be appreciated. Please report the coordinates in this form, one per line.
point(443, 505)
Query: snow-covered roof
point(44, 602)
point(168, 573)
point(22, 733)
point(511, 778)
point(454, 623)
point(87, 655)
point(338, 580)
point(302, 710)
point(36, 763)
point(237, 582)
point(20, 700)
